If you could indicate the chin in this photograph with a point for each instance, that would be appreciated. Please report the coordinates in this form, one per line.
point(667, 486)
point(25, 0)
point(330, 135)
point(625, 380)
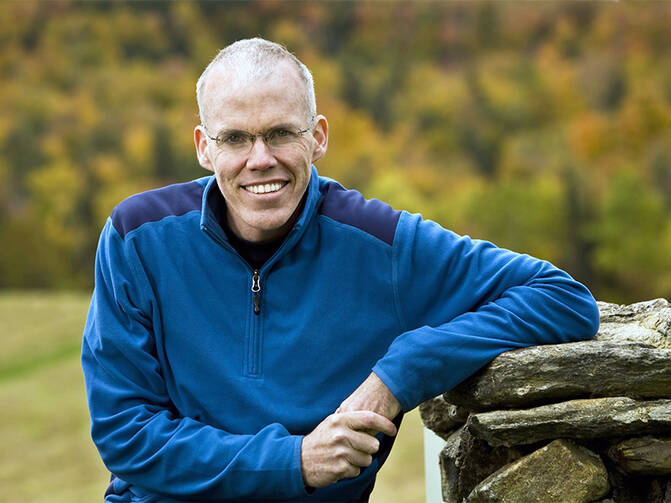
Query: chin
point(270, 224)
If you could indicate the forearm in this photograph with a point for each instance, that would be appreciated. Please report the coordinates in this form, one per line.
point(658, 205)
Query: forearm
point(144, 442)
point(548, 308)
point(461, 302)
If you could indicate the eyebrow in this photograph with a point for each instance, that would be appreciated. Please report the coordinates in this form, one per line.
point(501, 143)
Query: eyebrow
point(223, 132)
point(284, 125)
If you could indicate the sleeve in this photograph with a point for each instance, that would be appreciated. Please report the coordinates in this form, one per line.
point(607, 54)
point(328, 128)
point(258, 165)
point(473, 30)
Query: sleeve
point(462, 302)
point(139, 434)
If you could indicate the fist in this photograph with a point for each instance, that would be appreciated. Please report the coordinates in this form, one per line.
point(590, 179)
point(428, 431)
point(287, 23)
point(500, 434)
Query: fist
point(341, 445)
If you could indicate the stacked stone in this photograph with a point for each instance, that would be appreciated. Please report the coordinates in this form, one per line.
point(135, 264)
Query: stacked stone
point(571, 423)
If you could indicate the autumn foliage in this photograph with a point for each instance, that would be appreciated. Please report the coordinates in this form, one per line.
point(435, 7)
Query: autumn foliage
point(543, 127)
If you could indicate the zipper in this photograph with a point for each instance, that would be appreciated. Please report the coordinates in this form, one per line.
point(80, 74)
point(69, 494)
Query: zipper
point(256, 277)
point(253, 363)
point(253, 358)
point(256, 290)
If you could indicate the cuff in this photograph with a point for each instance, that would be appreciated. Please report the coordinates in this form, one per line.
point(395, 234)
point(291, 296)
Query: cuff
point(393, 387)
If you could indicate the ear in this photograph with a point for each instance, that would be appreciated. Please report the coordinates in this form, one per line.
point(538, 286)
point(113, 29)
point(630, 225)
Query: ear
point(321, 137)
point(200, 139)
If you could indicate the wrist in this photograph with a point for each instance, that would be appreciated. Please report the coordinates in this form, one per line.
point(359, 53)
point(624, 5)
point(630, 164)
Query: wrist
point(372, 395)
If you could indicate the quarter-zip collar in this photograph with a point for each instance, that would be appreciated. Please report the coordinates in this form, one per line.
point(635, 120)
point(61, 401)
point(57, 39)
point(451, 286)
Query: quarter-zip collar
point(210, 208)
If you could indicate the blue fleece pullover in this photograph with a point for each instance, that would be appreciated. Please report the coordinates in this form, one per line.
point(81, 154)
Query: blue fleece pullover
point(201, 389)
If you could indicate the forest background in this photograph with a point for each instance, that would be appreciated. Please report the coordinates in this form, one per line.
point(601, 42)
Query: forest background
point(543, 127)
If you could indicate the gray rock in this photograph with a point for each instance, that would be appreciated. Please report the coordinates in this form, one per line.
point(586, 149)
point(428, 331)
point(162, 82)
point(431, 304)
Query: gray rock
point(631, 488)
point(660, 491)
point(589, 418)
point(553, 373)
point(644, 322)
point(643, 490)
point(611, 312)
point(465, 461)
point(442, 417)
point(560, 472)
point(646, 455)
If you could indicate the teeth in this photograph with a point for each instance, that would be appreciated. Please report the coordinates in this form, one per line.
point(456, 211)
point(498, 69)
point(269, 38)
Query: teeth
point(264, 189)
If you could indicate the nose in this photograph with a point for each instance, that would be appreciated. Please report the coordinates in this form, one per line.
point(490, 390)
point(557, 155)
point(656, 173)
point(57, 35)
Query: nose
point(260, 156)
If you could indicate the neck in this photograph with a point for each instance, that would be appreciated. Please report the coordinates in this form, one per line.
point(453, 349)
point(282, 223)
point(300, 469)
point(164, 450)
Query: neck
point(253, 235)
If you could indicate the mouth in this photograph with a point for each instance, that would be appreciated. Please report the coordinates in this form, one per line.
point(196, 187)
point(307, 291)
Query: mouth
point(265, 188)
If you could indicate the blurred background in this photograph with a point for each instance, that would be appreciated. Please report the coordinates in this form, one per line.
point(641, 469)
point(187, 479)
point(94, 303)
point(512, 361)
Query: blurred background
point(543, 127)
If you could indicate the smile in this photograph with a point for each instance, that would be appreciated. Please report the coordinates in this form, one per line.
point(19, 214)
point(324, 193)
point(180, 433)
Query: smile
point(264, 188)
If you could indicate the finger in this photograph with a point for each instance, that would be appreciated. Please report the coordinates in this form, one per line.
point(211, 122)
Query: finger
point(366, 420)
point(363, 441)
point(351, 472)
point(360, 459)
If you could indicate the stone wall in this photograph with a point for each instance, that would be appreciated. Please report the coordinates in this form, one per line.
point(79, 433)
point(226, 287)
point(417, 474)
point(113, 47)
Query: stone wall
point(570, 423)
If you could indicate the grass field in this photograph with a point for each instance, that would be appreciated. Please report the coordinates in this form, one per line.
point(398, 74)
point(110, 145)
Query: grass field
point(47, 455)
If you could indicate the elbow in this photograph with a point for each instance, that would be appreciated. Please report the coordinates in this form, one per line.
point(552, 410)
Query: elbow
point(595, 319)
point(588, 316)
point(109, 449)
point(122, 451)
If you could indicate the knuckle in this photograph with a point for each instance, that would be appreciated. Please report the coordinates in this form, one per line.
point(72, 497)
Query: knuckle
point(373, 422)
point(342, 453)
point(349, 471)
point(343, 469)
point(339, 418)
point(368, 417)
point(341, 438)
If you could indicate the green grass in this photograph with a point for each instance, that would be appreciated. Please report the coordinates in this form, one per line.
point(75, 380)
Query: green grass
point(47, 454)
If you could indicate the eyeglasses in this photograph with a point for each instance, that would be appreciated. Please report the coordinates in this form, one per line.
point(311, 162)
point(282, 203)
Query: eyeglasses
point(240, 142)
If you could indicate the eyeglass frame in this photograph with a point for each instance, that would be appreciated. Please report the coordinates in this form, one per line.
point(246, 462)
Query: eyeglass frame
point(251, 137)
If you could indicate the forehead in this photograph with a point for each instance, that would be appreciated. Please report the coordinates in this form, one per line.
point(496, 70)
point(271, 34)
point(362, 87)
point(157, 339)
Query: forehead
point(254, 100)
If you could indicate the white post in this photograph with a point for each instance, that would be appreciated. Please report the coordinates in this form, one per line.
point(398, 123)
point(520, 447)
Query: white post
point(433, 444)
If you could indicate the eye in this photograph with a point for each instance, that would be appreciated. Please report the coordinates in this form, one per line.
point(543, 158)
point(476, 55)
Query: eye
point(280, 136)
point(233, 139)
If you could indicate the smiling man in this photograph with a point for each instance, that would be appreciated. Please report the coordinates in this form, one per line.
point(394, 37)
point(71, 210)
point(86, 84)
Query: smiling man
point(262, 182)
point(256, 335)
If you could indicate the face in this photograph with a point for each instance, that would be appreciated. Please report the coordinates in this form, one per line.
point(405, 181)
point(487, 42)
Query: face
point(263, 188)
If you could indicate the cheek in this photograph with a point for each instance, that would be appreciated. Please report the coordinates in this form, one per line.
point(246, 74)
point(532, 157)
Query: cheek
point(226, 173)
point(301, 165)
point(227, 183)
point(299, 158)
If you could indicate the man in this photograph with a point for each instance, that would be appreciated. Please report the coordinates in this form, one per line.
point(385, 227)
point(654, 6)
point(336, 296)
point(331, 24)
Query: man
point(253, 334)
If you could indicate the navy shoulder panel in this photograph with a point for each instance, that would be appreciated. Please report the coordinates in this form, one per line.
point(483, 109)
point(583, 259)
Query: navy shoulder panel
point(155, 205)
point(349, 207)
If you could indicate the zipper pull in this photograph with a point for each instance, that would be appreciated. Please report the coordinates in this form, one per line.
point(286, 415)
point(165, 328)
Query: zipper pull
point(256, 290)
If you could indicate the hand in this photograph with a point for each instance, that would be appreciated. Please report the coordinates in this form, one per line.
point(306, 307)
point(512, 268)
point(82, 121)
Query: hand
point(372, 395)
point(341, 445)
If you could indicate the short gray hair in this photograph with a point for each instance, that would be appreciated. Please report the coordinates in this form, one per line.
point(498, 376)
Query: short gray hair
point(258, 57)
